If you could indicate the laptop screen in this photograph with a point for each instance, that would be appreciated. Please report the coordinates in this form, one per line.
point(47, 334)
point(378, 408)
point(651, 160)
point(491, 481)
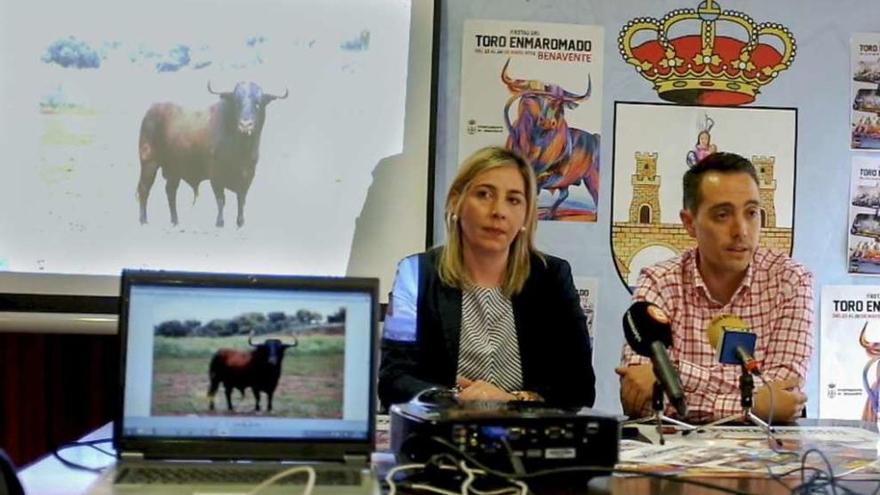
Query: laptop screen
point(247, 357)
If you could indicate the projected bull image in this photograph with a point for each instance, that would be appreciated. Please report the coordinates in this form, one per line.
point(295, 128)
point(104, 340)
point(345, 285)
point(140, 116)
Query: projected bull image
point(220, 145)
point(286, 364)
point(210, 149)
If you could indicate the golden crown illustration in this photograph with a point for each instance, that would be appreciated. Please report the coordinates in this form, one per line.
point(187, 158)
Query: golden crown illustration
point(714, 67)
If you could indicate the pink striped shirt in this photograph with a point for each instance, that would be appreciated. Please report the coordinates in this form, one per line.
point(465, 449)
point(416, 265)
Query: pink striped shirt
point(775, 299)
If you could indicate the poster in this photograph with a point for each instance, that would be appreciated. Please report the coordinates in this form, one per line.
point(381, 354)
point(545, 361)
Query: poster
point(537, 88)
point(849, 343)
point(865, 120)
point(863, 239)
point(587, 289)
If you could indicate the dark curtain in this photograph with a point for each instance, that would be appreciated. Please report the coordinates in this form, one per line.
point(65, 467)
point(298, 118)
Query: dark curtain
point(55, 388)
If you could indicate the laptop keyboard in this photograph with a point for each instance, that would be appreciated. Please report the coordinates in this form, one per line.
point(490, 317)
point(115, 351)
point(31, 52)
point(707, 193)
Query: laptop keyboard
point(194, 475)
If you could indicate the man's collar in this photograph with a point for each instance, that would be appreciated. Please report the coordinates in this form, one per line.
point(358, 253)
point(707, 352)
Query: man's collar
point(693, 273)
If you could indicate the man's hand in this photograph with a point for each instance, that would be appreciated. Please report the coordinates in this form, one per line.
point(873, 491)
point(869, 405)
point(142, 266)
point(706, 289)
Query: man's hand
point(788, 401)
point(636, 389)
point(473, 390)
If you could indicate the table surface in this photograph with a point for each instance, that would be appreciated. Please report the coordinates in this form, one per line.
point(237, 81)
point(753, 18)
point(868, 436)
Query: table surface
point(49, 476)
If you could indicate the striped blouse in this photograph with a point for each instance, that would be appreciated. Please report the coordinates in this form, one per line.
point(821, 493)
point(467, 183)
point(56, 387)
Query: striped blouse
point(488, 348)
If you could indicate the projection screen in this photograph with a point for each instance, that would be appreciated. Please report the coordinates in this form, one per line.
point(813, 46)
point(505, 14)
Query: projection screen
point(308, 121)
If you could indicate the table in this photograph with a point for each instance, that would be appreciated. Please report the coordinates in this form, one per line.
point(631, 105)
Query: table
point(50, 477)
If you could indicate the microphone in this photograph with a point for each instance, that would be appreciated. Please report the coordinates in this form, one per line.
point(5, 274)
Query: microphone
point(647, 331)
point(733, 342)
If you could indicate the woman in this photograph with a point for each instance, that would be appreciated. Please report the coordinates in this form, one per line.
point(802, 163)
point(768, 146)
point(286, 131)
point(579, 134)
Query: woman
point(703, 146)
point(487, 314)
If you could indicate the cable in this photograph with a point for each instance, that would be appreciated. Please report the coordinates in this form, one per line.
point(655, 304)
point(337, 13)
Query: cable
point(515, 461)
point(466, 487)
point(512, 477)
point(813, 480)
point(310, 483)
point(827, 464)
point(389, 476)
point(103, 451)
point(56, 453)
point(819, 482)
point(774, 443)
point(429, 488)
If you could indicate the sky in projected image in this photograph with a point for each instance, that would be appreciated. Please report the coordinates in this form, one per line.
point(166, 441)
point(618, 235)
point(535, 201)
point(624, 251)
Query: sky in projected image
point(70, 134)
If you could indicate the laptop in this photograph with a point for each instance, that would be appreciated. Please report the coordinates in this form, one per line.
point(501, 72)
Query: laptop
point(228, 379)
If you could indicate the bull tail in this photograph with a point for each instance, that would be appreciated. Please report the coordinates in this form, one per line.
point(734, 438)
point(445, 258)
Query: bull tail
point(212, 376)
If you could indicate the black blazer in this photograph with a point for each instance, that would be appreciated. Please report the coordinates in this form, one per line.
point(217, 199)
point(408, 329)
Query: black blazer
point(551, 329)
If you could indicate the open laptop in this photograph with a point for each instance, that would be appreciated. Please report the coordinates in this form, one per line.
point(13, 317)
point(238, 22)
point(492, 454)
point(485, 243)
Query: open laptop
point(187, 336)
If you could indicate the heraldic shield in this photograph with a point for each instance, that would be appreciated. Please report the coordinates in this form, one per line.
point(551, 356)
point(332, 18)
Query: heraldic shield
point(654, 144)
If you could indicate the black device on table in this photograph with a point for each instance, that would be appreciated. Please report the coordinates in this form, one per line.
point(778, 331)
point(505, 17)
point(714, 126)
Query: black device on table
point(539, 437)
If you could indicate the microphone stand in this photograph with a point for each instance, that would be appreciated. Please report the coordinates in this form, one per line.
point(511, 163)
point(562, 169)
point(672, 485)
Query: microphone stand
point(658, 417)
point(746, 390)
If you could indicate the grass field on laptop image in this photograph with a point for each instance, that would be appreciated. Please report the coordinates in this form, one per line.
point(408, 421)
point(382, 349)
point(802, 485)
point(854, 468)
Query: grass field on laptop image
point(292, 361)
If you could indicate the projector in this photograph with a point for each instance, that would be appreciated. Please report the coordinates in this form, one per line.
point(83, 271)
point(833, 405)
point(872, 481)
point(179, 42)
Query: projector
point(537, 436)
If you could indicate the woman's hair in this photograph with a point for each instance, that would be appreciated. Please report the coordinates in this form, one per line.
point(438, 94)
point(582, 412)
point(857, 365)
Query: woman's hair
point(451, 262)
point(708, 135)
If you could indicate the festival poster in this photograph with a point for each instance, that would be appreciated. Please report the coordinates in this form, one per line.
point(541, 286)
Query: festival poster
point(849, 351)
point(537, 88)
point(863, 239)
point(587, 289)
point(865, 120)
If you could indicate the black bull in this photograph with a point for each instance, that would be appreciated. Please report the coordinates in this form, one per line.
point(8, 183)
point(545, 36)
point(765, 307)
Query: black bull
point(258, 369)
point(220, 144)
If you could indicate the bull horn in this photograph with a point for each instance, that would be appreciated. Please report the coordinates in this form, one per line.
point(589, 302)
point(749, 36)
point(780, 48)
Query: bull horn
point(211, 90)
point(862, 340)
point(574, 97)
point(251, 336)
point(514, 85)
point(270, 97)
point(295, 342)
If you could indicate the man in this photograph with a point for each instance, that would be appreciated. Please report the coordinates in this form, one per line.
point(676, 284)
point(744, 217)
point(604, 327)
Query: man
point(726, 273)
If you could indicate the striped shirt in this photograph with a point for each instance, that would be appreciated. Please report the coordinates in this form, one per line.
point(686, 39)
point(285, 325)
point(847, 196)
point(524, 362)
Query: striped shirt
point(775, 299)
point(488, 348)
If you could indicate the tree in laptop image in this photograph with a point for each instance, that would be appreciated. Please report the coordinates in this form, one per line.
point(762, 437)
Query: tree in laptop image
point(286, 364)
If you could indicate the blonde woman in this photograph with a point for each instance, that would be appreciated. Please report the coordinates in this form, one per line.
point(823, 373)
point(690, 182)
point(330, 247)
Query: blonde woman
point(486, 314)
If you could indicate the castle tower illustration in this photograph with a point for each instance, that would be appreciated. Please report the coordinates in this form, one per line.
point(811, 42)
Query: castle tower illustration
point(644, 229)
point(645, 205)
point(766, 188)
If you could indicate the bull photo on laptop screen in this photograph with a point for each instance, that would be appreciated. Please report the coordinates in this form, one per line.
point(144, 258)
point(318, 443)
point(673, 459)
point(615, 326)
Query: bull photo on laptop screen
point(272, 356)
point(214, 345)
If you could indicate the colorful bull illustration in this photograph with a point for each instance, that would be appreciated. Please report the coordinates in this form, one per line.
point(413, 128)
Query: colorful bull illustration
point(561, 156)
point(872, 386)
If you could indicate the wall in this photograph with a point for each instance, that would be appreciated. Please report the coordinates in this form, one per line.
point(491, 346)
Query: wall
point(817, 85)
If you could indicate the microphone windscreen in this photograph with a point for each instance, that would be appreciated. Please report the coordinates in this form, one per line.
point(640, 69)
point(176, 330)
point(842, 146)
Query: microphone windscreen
point(723, 322)
point(643, 324)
